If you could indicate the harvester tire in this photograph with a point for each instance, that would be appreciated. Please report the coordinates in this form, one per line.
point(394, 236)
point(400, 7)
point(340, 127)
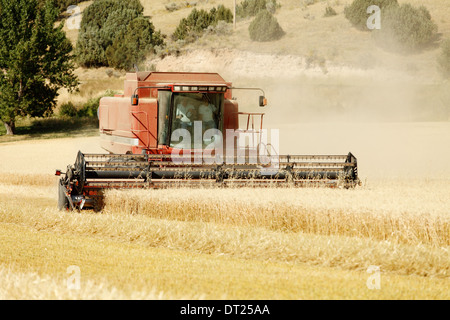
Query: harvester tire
point(63, 202)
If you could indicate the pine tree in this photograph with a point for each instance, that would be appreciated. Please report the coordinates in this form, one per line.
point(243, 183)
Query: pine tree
point(107, 22)
point(133, 44)
point(35, 60)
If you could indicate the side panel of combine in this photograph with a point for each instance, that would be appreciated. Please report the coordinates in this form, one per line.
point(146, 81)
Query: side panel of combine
point(115, 121)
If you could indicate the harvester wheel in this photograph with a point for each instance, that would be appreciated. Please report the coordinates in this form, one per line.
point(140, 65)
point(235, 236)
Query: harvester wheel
point(63, 202)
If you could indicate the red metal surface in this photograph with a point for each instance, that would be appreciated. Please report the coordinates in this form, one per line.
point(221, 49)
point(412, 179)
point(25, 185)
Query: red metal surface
point(134, 129)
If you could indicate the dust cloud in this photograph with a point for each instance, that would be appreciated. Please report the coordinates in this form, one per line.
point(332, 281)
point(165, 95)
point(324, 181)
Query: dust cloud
point(395, 124)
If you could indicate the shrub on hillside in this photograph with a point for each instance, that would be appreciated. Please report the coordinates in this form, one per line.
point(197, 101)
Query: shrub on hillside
point(250, 8)
point(86, 110)
point(67, 110)
point(357, 14)
point(220, 29)
point(171, 7)
point(265, 27)
point(329, 12)
point(221, 13)
point(444, 59)
point(89, 109)
point(193, 25)
point(405, 28)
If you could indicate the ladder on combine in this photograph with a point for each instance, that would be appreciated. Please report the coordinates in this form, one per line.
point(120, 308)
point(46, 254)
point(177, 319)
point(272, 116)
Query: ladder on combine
point(142, 131)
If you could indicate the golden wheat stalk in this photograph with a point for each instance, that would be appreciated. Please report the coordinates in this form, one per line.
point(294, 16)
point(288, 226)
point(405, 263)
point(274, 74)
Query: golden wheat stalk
point(355, 213)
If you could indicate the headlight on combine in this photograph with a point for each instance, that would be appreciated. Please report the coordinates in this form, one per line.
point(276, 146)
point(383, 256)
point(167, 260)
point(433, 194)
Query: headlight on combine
point(199, 88)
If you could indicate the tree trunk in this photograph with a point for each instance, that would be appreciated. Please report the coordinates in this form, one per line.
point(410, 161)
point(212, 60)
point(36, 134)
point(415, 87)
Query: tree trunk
point(10, 127)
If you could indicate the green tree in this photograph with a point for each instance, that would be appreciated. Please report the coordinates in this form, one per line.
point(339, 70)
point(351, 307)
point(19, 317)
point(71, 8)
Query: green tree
point(62, 5)
point(35, 60)
point(132, 44)
point(90, 51)
point(117, 22)
point(96, 14)
point(104, 23)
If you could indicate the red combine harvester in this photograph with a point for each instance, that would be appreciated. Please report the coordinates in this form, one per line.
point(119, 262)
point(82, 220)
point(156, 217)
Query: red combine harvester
point(172, 129)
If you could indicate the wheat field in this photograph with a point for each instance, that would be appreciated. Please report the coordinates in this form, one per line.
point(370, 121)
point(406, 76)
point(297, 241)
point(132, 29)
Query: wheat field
point(247, 243)
point(267, 243)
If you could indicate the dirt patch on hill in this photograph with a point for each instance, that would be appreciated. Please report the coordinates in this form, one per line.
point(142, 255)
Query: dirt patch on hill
point(235, 64)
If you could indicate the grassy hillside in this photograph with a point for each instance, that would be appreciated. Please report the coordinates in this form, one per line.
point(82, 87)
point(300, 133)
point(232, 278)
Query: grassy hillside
point(323, 64)
point(307, 32)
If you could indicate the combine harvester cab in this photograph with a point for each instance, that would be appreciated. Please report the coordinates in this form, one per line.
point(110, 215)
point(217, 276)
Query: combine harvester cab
point(173, 129)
